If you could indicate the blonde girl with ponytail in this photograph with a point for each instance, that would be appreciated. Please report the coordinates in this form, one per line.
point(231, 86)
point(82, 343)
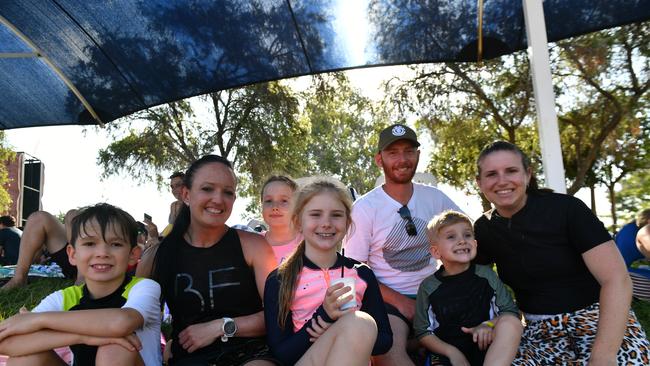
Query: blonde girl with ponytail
point(302, 309)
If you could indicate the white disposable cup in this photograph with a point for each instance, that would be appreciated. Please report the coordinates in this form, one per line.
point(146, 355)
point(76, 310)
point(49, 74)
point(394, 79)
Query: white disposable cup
point(347, 281)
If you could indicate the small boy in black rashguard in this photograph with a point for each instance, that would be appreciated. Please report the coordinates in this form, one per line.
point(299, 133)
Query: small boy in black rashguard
point(462, 310)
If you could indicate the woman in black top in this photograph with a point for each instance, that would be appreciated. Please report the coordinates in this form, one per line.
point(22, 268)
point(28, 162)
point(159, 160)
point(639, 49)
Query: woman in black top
point(212, 276)
point(568, 277)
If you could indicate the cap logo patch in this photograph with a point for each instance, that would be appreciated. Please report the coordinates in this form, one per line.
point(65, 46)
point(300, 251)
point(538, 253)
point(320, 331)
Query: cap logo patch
point(398, 131)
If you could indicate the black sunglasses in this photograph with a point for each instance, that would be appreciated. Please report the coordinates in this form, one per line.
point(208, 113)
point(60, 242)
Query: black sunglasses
point(405, 214)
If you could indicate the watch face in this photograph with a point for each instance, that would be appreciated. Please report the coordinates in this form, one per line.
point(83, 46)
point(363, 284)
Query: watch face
point(229, 327)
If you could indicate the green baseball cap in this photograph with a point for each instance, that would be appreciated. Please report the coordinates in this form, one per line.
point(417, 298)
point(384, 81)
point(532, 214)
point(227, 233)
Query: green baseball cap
point(396, 132)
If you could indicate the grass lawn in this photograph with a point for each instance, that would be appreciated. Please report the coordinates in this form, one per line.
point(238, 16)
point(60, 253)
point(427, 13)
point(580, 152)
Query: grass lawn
point(30, 295)
point(642, 310)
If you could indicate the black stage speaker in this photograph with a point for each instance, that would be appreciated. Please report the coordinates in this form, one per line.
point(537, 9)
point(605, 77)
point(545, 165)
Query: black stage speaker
point(31, 187)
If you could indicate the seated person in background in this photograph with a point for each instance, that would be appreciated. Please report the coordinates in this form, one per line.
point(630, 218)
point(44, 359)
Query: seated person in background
point(176, 184)
point(43, 231)
point(9, 240)
point(97, 320)
point(627, 243)
point(643, 241)
point(464, 314)
point(641, 276)
point(626, 237)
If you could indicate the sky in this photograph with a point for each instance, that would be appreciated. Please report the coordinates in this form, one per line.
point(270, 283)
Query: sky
point(73, 178)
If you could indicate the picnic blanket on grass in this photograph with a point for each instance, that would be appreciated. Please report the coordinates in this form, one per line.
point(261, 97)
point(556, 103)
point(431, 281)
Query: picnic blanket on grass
point(35, 270)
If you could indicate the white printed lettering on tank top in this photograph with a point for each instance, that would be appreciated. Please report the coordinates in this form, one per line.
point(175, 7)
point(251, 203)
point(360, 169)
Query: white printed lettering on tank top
point(212, 284)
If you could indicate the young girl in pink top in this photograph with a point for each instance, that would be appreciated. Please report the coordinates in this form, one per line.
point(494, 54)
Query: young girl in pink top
point(277, 197)
point(305, 322)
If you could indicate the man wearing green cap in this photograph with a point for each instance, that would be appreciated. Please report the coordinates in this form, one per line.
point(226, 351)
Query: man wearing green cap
point(389, 232)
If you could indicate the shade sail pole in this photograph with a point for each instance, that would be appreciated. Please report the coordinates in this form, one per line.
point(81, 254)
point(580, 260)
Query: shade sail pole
point(549, 135)
point(39, 54)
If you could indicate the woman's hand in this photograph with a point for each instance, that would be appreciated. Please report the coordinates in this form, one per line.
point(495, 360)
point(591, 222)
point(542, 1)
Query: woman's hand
point(200, 335)
point(332, 303)
point(317, 328)
point(482, 334)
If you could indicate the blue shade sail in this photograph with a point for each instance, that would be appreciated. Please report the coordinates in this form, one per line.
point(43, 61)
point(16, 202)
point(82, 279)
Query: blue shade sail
point(124, 55)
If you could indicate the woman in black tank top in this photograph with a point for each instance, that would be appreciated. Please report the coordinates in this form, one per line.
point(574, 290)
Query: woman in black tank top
point(212, 276)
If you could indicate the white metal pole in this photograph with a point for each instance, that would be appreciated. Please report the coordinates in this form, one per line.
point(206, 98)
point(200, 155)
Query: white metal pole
point(549, 135)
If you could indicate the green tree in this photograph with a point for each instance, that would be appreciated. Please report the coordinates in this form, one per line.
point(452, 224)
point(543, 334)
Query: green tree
point(344, 130)
point(6, 155)
point(328, 129)
point(623, 153)
point(634, 195)
point(601, 82)
point(256, 127)
point(463, 106)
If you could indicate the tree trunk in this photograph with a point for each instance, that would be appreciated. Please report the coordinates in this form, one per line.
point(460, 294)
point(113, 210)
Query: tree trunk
point(612, 202)
point(592, 190)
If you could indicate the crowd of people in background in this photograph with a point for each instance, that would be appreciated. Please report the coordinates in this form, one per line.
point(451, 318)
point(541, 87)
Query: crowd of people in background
point(400, 277)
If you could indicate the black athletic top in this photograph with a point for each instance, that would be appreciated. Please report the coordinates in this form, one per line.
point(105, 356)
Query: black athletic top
point(538, 252)
point(212, 283)
point(78, 298)
point(447, 303)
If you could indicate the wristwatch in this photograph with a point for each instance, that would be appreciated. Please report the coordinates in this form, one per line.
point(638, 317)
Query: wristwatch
point(229, 329)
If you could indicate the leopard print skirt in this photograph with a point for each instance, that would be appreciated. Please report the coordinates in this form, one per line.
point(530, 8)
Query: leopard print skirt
point(566, 339)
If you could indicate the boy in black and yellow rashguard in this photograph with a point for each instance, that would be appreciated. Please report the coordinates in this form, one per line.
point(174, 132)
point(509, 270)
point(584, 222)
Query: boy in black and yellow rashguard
point(107, 320)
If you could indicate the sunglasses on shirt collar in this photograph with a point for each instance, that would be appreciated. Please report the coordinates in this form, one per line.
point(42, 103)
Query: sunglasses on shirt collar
point(405, 214)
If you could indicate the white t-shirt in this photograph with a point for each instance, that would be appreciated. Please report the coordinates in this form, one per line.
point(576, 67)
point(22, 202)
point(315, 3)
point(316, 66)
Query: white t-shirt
point(380, 239)
point(144, 298)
